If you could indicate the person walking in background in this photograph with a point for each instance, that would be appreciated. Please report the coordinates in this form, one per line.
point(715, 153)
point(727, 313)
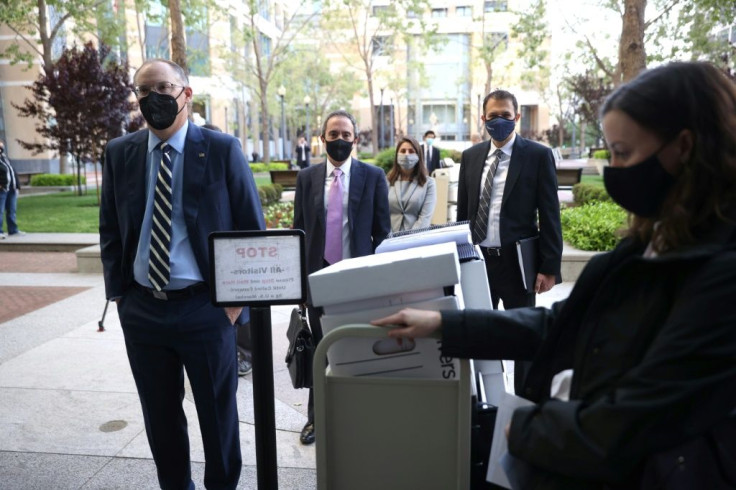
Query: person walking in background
point(342, 207)
point(412, 194)
point(164, 191)
point(649, 328)
point(9, 187)
point(302, 152)
point(431, 153)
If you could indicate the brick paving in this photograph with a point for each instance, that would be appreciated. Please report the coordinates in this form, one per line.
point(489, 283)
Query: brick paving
point(19, 300)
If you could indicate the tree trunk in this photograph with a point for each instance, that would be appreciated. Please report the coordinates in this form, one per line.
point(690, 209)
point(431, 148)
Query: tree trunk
point(178, 42)
point(374, 117)
point(632, 57)
point(265, 123)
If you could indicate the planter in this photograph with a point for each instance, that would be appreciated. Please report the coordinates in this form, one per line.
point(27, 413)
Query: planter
point(598, 163)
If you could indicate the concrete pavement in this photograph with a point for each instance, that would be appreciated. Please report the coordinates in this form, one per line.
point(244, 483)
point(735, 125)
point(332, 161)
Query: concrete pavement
point(70, 416)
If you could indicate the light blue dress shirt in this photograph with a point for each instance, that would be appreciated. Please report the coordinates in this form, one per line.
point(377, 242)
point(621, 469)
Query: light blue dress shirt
point(183, 264)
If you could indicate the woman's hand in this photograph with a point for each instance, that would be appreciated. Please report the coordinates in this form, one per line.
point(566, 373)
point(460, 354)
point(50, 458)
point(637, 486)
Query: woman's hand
point(411, 323)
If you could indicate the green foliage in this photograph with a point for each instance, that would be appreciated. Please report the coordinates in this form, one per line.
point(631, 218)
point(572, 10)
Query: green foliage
point(583, 193)
point(364, 155)
point(385, 159)
point(278, 166)
point(593, 226)
point(55, 180)
point(269, 194)
point(279, 215)
point(60, 212)
point(602, 154)
point(454, 154)
point(258, 167)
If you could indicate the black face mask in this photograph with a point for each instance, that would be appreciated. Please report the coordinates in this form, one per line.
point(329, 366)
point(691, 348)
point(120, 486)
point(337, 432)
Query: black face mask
point(160, 110)
point(339, 150)
point(640, 188)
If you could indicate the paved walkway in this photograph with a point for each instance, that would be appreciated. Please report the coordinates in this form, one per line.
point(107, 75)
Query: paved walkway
point(69, 412)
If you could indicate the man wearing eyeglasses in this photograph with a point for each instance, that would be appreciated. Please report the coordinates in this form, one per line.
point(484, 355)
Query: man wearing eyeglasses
point(165, 190)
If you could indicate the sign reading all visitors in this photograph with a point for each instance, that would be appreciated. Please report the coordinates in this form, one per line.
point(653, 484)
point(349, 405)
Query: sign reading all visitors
point(257, 268)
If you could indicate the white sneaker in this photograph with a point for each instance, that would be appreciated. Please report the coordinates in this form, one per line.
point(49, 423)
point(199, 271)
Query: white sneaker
point(3, 236)
point(18, 233)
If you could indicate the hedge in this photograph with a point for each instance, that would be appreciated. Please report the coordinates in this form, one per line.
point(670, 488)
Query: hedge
point(593, 226)
point(265, 167)
point(602, 154)
point(583, 193)
point(454, 154)
point(385, 159)
point(55, 180)
point(270, 194)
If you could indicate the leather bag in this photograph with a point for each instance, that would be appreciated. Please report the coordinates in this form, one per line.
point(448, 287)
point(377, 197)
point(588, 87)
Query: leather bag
point(301, 350)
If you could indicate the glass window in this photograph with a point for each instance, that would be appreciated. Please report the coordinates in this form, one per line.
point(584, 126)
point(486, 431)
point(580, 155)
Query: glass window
point(464, 11)
point(265, 46)
point(379, 9)
point(381, 45)
point(436, 114)
point(439, 13)
point(496, 6)
point(198, 44)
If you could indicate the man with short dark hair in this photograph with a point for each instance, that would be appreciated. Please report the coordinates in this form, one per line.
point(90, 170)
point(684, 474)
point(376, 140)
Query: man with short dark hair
point(431, 152)
point(342, 206)
point(9, 188)
point(165, 190)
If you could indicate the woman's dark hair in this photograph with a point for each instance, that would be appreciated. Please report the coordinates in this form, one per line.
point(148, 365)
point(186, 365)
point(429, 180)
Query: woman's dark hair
point(666, 100)
point(420, 170)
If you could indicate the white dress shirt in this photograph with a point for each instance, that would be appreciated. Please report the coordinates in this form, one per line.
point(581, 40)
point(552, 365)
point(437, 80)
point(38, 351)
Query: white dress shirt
point(493, 236)
point(330, 176)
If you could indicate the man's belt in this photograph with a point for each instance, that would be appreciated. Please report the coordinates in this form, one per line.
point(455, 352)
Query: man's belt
point(491, 251)
point(175, 294)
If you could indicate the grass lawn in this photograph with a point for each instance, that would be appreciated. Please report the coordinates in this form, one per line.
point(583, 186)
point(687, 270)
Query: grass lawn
point(65, 212)
point(593, 179)
point(61, 212)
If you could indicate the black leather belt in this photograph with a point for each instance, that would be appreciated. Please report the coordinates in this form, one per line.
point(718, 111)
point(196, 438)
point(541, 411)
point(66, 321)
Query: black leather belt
point(174, 295)
point(491, 251)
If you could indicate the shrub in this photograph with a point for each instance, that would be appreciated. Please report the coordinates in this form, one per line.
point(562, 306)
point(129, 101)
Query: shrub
point(602, 154)
point(364, 155)
point(385, 159)
point(278, 166)
point(269, 194)
point(258, 167)
point(593, 226)
point(55, 180)
point(583, 193)
point(454, 154)
point(279, 215)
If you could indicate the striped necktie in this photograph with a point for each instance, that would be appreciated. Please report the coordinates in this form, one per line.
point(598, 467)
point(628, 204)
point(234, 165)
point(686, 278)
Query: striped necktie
point(159, 271)
point(480, 229)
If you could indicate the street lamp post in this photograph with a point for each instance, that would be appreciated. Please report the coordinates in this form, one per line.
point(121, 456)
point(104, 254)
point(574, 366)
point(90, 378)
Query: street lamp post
point(307, 100)
point(480, 130)
point(391, 117)
point(381, 125)
point(282, 92)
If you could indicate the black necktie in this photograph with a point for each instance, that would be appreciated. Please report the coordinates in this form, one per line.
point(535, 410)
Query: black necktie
point(159, 272)
point(480, 229)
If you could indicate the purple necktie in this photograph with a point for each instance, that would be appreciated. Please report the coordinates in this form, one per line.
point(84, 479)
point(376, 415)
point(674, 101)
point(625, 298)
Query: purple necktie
point(333, 233)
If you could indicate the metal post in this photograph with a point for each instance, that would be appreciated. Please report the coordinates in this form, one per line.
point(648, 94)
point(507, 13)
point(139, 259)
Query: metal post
point(263, 396)
point(391, 116)
point(480, 130)
point(381, 124)
point(283, 130)
point(308, 134)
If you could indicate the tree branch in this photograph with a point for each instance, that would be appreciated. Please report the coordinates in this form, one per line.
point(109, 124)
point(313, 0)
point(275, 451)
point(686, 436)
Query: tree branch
point(661, 14)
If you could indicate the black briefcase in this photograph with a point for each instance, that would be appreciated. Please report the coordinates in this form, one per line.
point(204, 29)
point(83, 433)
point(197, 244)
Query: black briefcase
point(301, 350)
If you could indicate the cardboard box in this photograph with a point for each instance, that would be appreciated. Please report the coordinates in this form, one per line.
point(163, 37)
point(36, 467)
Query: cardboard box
point(385, 357)
point(377, 280)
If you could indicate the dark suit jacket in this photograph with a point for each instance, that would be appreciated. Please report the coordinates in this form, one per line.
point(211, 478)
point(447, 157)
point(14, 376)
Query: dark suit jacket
point(531, 187)
point(368, 214)
point(434, 160)
point(219, 195)
point(298, 152)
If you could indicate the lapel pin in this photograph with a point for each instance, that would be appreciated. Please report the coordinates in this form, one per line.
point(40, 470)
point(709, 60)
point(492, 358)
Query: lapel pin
point(201, 155)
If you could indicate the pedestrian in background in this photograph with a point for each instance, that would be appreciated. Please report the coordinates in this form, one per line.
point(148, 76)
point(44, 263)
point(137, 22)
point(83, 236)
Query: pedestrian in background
point(412, 194)
point(9, 188)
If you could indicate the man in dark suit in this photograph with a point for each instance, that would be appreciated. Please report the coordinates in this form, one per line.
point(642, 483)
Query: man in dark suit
point(164, 191)
point(302, 151)
point(9, 188)
point(523, 186)
point(362, 220)
point(431, 152)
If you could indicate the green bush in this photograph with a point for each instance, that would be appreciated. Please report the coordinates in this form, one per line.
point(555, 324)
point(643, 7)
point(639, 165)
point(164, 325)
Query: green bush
point(364, 155)
point(583, 193)
point(269, 194)
point(385, 159)
point(454, 154)
point(258, 167)
point(279, 215)
point(593, 226)
point(602, 154)
point(278, 166)
point(55, 180)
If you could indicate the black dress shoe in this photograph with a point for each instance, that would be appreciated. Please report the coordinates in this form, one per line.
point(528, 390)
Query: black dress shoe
point(307, 435)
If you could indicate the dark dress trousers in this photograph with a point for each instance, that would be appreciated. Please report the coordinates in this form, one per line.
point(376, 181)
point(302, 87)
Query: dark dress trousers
point(163, 337)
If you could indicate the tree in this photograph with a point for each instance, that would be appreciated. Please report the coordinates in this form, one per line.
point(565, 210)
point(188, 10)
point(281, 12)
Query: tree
point(80, 104)
point(178, 42)
point(357, 27)
point(591, 90)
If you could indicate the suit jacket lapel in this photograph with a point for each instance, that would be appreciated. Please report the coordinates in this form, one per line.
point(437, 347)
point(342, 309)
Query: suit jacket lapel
point(136, 154)
point(517, 160)
point(318, 184)
point(476, 174)
point(357, 183)
point(195, 162)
